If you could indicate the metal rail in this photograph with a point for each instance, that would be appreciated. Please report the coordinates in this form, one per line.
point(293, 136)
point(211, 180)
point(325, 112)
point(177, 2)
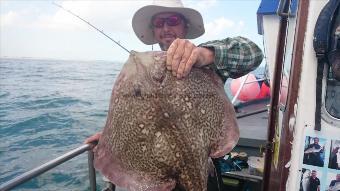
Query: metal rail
point(53, 163)
point(252, 113)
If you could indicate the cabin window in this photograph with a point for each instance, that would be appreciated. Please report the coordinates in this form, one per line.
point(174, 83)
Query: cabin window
point(332, 99)
point(332, 102)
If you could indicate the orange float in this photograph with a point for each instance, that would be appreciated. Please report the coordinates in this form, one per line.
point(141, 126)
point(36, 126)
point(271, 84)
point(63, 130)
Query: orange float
point(250, 90)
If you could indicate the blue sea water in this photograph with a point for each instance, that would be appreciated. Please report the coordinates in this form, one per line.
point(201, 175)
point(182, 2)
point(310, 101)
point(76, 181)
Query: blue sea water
point(48, 107)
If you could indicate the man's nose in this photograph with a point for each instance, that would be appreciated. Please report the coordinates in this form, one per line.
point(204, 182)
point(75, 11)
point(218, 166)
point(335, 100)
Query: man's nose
point(166, 26)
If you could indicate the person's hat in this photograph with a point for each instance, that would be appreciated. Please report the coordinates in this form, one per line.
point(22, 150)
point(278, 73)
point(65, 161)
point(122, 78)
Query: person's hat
point(141, 21)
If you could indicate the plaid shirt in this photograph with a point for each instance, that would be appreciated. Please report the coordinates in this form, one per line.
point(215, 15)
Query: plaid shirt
point(234, 57)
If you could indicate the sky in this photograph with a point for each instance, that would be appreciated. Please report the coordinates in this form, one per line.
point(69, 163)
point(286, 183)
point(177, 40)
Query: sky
point(39, 29)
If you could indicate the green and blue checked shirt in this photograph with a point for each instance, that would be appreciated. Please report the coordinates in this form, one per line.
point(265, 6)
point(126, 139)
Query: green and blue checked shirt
point(234, 57)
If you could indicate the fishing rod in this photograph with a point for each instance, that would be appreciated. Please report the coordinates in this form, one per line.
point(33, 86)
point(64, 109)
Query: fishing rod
point(101, 31)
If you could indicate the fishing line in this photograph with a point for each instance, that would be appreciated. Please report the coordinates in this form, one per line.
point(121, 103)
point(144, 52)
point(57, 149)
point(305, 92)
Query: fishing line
point(101, 31)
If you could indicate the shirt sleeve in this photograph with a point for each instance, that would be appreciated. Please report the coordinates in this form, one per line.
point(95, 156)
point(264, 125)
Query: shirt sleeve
point(234, 57)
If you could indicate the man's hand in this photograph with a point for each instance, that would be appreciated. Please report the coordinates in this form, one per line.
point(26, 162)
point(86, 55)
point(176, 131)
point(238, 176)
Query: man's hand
point(93, 138)
point(182, 55)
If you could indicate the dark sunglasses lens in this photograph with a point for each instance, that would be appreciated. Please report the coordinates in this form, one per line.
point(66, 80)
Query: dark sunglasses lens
point(158, 22)
point(170, 21)
point(173, 20)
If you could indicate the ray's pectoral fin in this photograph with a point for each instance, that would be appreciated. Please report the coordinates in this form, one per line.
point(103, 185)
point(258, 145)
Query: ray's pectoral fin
point(192, 180)
point(228, 137)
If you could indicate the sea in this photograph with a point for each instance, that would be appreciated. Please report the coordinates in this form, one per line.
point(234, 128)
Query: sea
point(47, 108)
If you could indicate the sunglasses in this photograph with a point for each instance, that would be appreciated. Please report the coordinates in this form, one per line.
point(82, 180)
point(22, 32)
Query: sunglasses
point(173, 20)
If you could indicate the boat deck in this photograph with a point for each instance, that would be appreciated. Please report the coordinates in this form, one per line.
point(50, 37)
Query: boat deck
point(253, 128)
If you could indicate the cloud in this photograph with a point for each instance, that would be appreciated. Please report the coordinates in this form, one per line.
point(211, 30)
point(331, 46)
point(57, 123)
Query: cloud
point(13, 18)
point(32, 18)
point(61, 20)
point(109, 15)
point(221, 27)
point(200, 5)
point(8, 18)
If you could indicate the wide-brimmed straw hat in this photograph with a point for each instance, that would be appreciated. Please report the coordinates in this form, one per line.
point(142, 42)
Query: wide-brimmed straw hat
point(141, 21)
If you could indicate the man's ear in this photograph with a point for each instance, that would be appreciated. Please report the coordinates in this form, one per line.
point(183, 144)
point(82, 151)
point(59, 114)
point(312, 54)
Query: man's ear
point(186, 28)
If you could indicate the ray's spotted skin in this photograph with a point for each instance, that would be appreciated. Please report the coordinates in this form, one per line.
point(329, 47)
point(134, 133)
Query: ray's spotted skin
point(161, 131)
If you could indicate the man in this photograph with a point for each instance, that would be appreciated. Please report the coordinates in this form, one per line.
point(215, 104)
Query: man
point(335, 184)
point(314, 182)
point(334, 162)
point(312, 154)
point(170, 24)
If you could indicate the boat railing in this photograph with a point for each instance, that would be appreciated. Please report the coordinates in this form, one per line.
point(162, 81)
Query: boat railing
point(53, 163)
